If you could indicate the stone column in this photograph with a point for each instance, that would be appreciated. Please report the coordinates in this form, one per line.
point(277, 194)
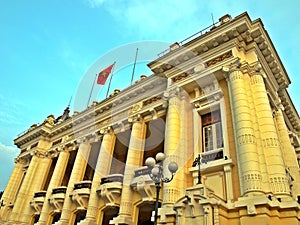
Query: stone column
point(38, 167)
point(102, 169)
point(36, 185)
point(11, 189)
point(133, 161)
point(77, 175)
point(245, 139)
point(173, 152)
point(173, 136)
point(186, 114)
point(289, 154)
point(265, 185)
point(269, 136)
point(55, 181)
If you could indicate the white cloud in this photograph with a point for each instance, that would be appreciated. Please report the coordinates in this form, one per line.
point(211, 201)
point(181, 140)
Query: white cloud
point(7, 153)
point(94, 3)
point(167, 20)
point(155, 18)
point(11, 109)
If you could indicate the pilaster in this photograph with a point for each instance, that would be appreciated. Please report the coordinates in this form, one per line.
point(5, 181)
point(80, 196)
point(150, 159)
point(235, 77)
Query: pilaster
point(133, 161)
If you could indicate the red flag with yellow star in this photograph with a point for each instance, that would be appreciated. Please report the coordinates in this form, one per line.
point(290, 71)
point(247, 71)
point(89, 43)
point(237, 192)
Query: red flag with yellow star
point(103, 75)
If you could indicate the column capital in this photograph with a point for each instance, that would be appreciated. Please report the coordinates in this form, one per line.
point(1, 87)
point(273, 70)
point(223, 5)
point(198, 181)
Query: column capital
point(135, 118)
point(38, 153)
point(256, 69)
point(21, 160)
point(82, 140)
point(106, 130)
point(171, 93)
point(52, 153)
point(234, 66)
point(70, 146)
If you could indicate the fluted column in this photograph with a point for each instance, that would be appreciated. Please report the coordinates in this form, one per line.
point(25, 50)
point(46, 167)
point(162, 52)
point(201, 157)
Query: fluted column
point(248, 161)
point(38, 167)
point(102, 169)
point(173, 136)
point(77, 174)
point(186, 114)
point(133, 161)
point(289, 154)
point(265, 185)
point(11, 189)
point(36, 185)
point(269, 136)
point(55, 181)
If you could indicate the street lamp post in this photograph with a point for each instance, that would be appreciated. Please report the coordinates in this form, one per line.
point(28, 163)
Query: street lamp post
point(196, 162)
point(156, 175)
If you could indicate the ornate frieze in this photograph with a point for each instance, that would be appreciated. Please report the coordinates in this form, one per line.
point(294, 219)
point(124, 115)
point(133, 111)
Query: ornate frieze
point(219, 58)
point(207, 64)
point(151, 100)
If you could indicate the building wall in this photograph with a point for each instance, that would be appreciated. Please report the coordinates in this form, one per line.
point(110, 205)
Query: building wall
point(219, 97)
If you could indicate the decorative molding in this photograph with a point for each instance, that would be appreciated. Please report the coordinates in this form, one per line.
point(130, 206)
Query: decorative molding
point(279, 184)
point(199, 68)
point(106, 130)
point(219, 58)
point(180, 76)
point(151, 100)
point(135, 118)
point(270, 142)
point(22, 160)
point(38, 153)
point(252, 182)
point(136, 107)
point(52, 153)
point(246, 139)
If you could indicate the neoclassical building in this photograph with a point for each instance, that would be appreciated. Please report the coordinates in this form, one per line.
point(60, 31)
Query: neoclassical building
point(217, 100)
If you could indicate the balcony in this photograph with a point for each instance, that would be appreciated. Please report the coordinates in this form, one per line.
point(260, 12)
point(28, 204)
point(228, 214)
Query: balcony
point(110, 189)
point(143, 184)
point(212, 155)
point(38, 200)
point(81, 193)
point(57, 197)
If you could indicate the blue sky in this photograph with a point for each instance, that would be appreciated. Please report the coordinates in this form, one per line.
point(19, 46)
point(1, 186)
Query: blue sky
point(47, 48)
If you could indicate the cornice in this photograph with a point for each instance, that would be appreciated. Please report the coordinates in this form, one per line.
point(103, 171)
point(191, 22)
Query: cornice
point(202, 44)
point(33, 133)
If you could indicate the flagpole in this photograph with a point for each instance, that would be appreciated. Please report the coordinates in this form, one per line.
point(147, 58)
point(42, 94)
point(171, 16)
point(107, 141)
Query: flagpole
point(91, 91)
point(112, 73)
point(134, 65)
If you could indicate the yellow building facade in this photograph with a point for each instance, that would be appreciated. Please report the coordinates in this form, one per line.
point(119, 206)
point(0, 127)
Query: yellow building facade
point(219, 96)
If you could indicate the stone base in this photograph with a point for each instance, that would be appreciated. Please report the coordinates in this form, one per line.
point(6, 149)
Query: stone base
point(87, 222)
point(121, 220)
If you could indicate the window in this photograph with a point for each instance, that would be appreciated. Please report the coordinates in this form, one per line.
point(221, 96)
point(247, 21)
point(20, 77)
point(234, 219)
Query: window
point(212, 131)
